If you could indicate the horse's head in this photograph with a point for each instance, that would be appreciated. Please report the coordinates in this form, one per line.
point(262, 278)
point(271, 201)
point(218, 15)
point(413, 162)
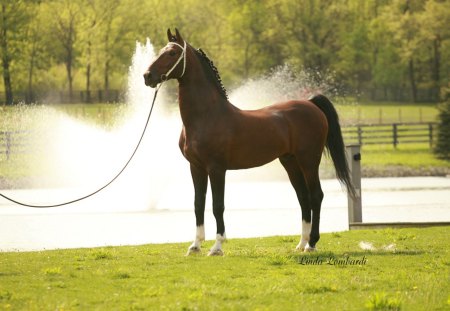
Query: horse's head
point(171, 62)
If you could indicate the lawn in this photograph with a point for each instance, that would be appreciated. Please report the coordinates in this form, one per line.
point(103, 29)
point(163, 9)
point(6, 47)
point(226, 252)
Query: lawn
point(351, 112)
point(407, 269)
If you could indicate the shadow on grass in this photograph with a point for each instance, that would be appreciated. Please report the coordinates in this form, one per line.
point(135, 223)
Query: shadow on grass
point(6, 274)
point(356, 254)
point(362, 253)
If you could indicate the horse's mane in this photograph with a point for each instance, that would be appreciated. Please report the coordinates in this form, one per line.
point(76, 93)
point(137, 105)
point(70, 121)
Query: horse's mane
point(212, 69)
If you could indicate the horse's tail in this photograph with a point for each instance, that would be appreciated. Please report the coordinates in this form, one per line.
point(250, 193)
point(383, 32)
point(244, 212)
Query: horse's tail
point(335, 142)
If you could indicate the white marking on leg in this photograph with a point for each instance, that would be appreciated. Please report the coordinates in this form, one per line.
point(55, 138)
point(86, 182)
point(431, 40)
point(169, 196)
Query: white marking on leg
point(199, 238)
point(216, 250)
point(309, 249)
point(306, 231)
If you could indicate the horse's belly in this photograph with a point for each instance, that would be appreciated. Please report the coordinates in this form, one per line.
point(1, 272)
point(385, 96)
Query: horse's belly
point(243, 164)
point(254, 154)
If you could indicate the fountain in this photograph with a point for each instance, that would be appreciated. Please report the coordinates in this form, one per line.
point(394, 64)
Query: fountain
point(70, 158)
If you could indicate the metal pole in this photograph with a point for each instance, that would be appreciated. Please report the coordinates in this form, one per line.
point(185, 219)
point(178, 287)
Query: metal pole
point(353, 153)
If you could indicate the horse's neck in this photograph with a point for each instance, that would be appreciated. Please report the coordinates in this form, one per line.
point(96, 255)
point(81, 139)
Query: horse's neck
point(199, 100)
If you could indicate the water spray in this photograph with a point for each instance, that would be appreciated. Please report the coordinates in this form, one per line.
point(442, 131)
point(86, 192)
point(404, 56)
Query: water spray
point(108, 183)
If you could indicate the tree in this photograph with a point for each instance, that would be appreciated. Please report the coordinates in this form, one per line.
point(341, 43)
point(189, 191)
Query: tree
point(35, 53)
point(311, 32)
point(386, 67)
point(108, 38)
point(388, 44)
point(442, 148)
point(92, 16)
point(435, 33)
point(13, 17)
point(65, 14)
point(355, 50)
point(124, 22)
point(248, 21)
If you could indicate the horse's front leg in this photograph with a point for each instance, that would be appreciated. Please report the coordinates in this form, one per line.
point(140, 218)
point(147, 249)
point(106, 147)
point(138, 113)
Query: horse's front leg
point(200, 179)
point(217, 179)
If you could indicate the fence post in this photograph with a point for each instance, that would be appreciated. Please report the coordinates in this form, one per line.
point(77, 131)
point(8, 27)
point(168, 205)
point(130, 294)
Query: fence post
point(8, 144)
point(394, 135)
point(353, 153)
point(360, 132)
point(430, 134)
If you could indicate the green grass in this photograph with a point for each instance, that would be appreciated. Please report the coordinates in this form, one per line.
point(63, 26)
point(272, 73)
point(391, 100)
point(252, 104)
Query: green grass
point(407, 155)
point(254, 274)
point(351, 112)
point(24, 117)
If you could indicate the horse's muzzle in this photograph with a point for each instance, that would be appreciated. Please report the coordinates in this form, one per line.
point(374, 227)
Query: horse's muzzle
point(150, 79)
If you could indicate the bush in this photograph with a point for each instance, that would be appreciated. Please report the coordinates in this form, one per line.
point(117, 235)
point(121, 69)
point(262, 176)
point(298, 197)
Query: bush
point(442, 148)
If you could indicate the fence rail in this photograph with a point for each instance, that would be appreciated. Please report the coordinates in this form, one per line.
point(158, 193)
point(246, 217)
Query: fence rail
point(64, 97)
point(390, 134)
point(14, 142)
point(402, 94)
point(17, 142)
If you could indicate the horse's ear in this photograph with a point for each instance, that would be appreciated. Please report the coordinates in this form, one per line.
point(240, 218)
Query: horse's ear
point(178, 36)
point(170, 36)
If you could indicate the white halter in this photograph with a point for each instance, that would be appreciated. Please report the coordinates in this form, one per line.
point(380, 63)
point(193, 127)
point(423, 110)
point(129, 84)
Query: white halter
point(164, 77)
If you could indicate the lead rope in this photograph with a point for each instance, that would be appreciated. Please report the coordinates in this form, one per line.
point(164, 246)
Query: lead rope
point(106, 185)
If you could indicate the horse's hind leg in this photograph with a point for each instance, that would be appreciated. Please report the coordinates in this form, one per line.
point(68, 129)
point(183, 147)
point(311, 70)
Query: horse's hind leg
point(297, 179)
point(310, 169)
point(316, 197)
point(200, 179)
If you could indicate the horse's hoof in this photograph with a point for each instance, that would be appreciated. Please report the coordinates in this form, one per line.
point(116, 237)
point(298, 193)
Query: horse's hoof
point(309, 249)
point(193, 250)
point(215, 252)
point(301, 247)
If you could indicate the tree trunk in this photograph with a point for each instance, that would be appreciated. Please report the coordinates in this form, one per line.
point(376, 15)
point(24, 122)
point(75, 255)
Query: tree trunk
point(88, 73)
point(107, 63)
point(107, 79)
point(5, 58)
point(436, 61)
point(247, 61)
point(412, 80)
point(69, 76)
point(30, 98)
point(67, 36)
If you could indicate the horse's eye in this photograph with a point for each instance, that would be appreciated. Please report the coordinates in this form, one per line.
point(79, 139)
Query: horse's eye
point(172, 53)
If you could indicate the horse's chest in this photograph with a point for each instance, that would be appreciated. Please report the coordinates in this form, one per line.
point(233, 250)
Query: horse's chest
point(192, 147)
point(199, 148)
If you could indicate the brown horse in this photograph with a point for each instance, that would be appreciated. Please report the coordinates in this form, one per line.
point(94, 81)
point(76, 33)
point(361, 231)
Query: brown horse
point(218, 136)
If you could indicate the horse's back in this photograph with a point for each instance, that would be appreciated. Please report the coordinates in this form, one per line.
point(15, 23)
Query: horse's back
point(299, 109)
point(308, 126)
point(295, 124)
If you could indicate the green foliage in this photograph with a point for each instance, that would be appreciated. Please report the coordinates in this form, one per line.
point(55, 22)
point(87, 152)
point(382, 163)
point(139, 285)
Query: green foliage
point(254, 274)
point(383, 302)
point(87, 44)
point(443, 141)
